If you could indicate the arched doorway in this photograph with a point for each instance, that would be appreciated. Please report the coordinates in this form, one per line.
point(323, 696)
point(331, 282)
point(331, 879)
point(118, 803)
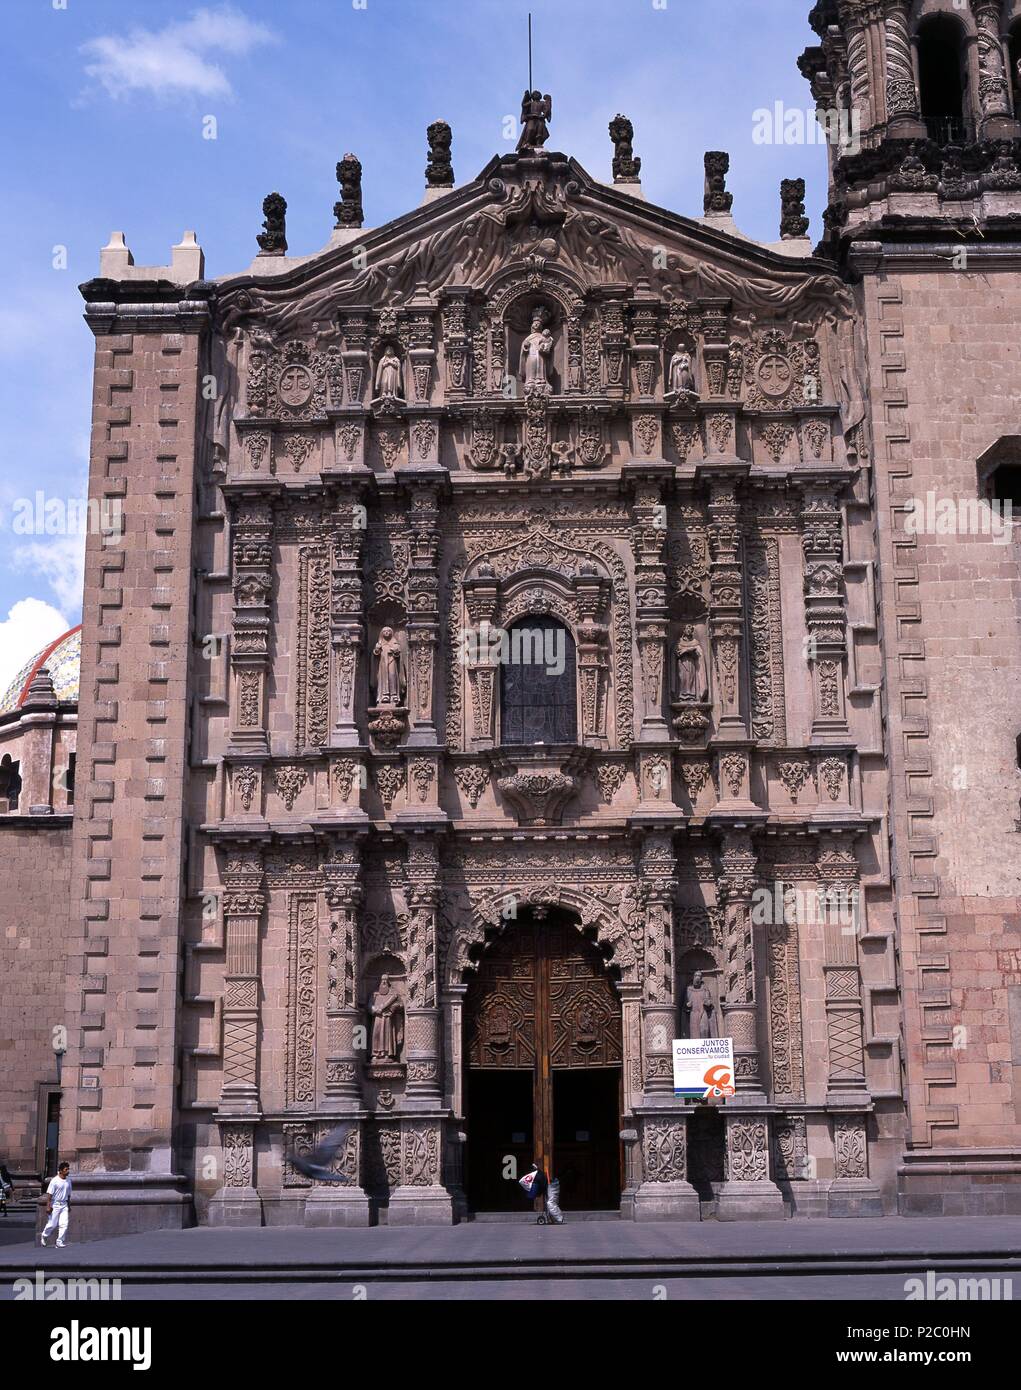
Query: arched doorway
point(543, 1050)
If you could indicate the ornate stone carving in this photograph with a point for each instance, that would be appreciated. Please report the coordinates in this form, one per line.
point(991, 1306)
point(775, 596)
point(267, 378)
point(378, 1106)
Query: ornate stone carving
point(348, 211)
point(273, 238)
point(626, 166)
point(717, 199)
point(664, 1150)
point(472, 780)
point(439, 171)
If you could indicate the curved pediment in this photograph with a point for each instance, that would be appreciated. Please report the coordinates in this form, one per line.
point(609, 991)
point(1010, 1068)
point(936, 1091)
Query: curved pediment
point(534, 216)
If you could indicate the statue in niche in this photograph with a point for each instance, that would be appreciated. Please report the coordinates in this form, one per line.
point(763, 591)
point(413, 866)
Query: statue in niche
point(386, 1010)
point(690, 682)
point(701, 1011)
point(391, 681)
point(389, 385)
point(535, 350)
point(680, 374)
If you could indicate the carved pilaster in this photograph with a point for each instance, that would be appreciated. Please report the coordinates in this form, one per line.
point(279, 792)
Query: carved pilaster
point(651, 604)
point(739, 1005)
point(243, 905)
point(840, 908)
point(343, 896)
point(825, 611)
point(423, 609)
point(355, 357)
point(423, 892)
point(347, 626)
point(252, 535)
point(726, 609)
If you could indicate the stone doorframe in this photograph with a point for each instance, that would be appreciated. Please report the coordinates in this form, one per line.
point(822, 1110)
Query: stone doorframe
point(489, 918)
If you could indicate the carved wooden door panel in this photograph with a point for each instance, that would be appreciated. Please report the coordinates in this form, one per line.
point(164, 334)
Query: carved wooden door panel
point(542, 1002)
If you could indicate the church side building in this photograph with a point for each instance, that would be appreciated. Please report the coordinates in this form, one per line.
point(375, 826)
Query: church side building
point(527, 645)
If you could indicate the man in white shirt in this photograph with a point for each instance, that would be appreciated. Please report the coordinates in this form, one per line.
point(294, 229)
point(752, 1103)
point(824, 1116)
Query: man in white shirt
point(58, 1205)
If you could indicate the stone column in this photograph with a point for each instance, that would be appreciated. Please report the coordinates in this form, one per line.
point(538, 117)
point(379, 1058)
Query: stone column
point(993, 92)
point(825, 612)
point(421, 1198)
point(237, 1203)
point(858, 70)
point(902, 115)
point(656, 873)
point(252, 564)
point(748, 1191)
point(345, 1051)
point(423, 607)
point(481, 593)
point(651, 608)
point(726, 607)
point(664, 1192)
point(347, 626)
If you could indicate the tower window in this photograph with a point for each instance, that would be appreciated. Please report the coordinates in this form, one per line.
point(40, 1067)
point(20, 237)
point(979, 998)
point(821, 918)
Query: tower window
point(942, 78)
point(1015, 59)
point(10, 783)
point(538, 693)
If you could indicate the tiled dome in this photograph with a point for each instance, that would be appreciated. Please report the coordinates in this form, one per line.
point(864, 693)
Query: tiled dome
point(62, 659)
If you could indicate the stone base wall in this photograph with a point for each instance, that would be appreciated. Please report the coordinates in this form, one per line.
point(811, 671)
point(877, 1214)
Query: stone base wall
point(36, 870)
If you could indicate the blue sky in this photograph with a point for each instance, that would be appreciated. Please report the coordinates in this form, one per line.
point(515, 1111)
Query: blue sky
point(104, 104)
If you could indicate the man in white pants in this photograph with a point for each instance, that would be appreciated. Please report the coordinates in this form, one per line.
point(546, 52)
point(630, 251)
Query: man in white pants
point(58, 1205)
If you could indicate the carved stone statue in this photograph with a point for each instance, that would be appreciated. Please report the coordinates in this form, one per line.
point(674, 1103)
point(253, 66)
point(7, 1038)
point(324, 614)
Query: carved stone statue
point(273, 239)
point(701, 1011)
point(626, 165)
point(391, 681)
point(389, 380)
point(535, 350)
point(690, 682)
point(536, 110)
point(348, 211)
point(386, 1010)
point(680, 376)
point(439, 171)
point(793, 222)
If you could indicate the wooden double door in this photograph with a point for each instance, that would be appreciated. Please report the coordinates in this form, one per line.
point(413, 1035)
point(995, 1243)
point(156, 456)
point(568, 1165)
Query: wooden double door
point(543, 1051)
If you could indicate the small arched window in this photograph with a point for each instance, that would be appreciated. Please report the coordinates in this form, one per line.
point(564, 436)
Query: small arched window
point(942, 78)
point(538, 688)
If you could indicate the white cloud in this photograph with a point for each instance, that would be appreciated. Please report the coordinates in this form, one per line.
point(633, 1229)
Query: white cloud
point(175, 60)
point(60, 561)
point(29, 626)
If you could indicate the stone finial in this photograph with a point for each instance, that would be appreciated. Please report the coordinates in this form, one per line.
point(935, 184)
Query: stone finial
point(626, 166)
point(273, 239)
point(793, 222)
point(40, 690)
point(348, 211)
point(187, 260)
point(439, 171)
point(717, 199)
point(115, 257)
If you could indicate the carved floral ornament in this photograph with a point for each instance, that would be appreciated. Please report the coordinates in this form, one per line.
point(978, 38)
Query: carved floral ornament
point(488, 915)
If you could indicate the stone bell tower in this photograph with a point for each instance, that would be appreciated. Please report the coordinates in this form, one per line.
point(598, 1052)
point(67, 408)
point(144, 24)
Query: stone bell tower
point(924, 220)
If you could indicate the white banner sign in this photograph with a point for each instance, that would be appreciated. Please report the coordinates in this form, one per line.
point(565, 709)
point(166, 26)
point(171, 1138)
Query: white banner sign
point(704, 1068)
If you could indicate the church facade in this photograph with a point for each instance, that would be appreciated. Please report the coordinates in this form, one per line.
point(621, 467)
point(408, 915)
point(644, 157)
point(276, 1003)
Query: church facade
point(525, 647)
